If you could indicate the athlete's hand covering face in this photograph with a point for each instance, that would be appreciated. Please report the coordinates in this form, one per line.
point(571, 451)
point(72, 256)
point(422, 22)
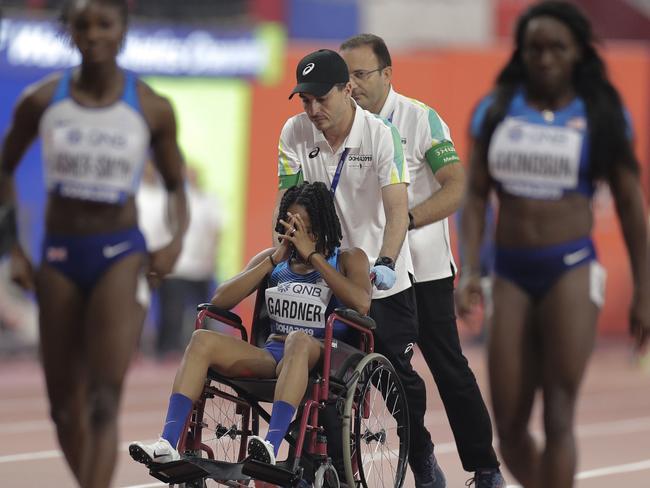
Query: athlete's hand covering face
point(283, 251)
point(299, 235)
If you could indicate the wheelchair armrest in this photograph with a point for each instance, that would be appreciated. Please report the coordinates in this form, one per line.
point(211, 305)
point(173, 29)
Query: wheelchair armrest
point(213, 309)
point(223, 316)
point(353, 316)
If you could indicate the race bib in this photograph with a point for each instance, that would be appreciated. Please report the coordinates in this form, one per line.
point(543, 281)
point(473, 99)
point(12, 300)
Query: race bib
point(91, 163)
point(298, 306)
point(535, 161)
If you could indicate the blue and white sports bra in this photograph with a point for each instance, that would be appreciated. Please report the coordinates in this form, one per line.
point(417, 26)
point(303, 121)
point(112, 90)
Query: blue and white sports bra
point(301, 301)
point(532, 156)
point(95, 154)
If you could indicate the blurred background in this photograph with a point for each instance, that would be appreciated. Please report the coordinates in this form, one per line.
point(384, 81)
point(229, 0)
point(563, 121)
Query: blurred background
point(228, 67)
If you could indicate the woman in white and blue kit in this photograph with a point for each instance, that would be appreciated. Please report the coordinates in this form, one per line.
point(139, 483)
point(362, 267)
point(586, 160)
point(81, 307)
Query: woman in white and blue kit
point(551, 129)
point(98, 124)
point(308, 276)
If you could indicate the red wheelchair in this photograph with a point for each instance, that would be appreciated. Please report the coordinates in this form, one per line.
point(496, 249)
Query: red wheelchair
point(351, 429)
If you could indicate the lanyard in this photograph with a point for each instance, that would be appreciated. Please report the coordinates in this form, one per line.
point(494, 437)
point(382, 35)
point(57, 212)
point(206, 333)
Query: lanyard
point(337, 174)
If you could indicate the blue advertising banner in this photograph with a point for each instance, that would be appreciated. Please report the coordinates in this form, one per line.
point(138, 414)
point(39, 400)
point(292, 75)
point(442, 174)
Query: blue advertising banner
point(327, 20)
point(148, 50)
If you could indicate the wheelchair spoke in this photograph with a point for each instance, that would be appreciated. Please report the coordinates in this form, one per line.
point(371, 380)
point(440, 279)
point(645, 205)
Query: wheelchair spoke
point(377, 431)
point(381, 433)
point(225, 424)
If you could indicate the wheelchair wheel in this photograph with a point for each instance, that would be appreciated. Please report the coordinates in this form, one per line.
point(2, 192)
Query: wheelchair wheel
point(375, 426)
point(225, 423)
point(326, 477)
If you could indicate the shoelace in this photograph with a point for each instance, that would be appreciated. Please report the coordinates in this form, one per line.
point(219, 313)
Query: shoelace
point(474, 480)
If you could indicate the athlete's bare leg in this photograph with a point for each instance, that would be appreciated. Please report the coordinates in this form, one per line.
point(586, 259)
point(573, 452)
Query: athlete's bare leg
point(113, 324)
point(301, 353)
point(229, 355)
point(567, 320)
point(513, 361)
point(61, 307)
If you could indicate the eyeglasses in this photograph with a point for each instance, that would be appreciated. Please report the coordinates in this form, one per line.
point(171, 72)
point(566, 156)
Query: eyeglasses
point(364, 75)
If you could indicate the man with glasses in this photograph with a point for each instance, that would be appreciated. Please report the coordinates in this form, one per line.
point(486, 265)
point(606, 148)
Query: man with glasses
point(360, 157)
point(435, 192)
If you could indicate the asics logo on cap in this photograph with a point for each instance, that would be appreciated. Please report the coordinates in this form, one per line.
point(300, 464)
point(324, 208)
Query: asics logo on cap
point(308, 69)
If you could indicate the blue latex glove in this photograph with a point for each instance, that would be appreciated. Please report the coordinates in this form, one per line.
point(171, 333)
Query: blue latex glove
point(383, 277)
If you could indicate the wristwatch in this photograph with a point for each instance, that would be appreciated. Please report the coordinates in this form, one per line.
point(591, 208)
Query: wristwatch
point(385, 261)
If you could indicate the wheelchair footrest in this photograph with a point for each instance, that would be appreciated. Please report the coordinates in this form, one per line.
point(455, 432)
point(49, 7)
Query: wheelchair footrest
point(195, 468)
point(271, 474)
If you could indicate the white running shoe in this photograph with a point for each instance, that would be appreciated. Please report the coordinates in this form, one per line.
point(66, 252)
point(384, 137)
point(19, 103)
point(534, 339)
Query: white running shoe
point(159, 452)
point(261, 450)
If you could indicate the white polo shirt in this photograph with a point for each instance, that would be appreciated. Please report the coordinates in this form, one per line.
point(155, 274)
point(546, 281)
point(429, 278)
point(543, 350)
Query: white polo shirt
point(427, 147)
point(374, 160)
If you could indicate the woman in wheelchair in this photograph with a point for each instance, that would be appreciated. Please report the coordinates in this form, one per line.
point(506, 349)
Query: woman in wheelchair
point(309, 277)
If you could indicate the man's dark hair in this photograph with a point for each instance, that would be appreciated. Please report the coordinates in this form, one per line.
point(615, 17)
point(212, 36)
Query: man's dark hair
point(319, 204)
point(68, 5)
point(375, 42)
point(609, 143)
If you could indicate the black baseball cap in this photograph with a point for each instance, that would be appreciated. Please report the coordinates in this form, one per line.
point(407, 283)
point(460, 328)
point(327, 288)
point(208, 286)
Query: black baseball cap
point(319, 71)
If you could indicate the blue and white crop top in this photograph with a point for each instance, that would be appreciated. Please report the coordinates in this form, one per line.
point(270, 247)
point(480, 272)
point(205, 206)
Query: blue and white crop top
point(301, 301)
point(95, 154)
point(533, 157)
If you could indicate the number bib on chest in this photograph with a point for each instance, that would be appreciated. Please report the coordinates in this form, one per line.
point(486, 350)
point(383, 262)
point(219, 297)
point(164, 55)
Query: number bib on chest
point(535, 161)
point(92, 163)
point(298, 306)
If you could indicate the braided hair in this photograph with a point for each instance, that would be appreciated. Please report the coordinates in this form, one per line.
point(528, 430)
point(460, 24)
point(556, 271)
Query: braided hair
point(609, 143)
point(319, 205)
point(68, 6)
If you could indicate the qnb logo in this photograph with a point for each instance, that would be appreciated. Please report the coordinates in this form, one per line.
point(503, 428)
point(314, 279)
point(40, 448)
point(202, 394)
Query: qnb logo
point(74, 136)
point(554, 137)
point(314, 152)
point(99, 138)
point(284, 287)
point(307, 69)
point(515, 133)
